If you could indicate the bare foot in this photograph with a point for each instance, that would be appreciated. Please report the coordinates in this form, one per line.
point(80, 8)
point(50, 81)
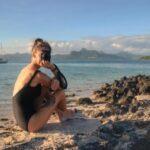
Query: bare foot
point(69, 113)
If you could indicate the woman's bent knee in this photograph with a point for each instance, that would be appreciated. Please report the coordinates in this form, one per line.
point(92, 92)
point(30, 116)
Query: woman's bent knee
point(60, 94)
point(32, 127)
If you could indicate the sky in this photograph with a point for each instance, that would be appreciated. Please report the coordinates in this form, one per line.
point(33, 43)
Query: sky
point(68, 25)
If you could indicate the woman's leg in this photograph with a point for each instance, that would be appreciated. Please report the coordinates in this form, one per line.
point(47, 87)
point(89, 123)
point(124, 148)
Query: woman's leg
point(39, 119)
point(61, 107)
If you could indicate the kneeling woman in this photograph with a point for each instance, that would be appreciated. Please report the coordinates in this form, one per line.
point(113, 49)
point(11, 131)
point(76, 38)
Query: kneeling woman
point(32, 84)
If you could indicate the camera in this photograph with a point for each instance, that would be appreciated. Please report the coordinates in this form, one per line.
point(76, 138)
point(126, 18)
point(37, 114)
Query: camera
point(46, 55)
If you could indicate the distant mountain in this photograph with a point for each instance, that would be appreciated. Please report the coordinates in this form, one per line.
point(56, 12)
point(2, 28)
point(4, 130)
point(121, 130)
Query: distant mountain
point(84, 55)
point(93, 55)
point(18, 57)
point(145, 58)
point(128, 55)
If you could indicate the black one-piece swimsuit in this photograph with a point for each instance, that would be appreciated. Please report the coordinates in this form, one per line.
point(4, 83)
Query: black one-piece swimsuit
point(23, 103)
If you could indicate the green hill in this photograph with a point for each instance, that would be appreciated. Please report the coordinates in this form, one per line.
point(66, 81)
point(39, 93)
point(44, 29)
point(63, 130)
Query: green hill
point(145, 58)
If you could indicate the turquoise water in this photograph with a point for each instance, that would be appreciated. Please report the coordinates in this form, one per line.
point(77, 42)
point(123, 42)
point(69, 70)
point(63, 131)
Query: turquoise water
point(82, 77)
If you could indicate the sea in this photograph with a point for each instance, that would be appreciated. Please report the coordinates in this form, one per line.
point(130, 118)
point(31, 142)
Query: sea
point(82, 77)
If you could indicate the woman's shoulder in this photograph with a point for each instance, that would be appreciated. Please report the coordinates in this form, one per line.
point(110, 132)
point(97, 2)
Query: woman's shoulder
point(20, 81)
point(23, 75)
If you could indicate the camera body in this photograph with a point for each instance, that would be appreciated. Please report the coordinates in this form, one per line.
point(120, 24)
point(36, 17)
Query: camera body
point(46, 55)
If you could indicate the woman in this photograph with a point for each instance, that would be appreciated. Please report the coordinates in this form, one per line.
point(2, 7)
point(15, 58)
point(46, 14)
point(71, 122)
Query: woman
point(32, 84)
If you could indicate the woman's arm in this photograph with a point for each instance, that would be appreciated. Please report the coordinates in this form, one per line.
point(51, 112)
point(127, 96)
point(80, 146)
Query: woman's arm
point(44, 79)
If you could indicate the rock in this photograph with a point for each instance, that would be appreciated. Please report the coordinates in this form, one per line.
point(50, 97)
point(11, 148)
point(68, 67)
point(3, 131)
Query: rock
point(118, 129)
point(123, 101)
point(148, 134)
point(124, 78)
point(141, 144)
point(107, 113)
point(124, 92)
point(4, 119)
point(140, 113)
point(125, 137)
point(70, 95)
point(142, 97)
point(93, 113)
point(122, 126)
point(142, 124)
point(133, 108)
point(124, 109)
point(105, 86)
point(84, 101)
point(130, 92)
point(97, 114)
point(93, 145)
point(145, 89)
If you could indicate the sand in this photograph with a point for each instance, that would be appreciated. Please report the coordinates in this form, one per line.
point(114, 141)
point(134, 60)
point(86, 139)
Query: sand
point(80, 132)
point(53, 135)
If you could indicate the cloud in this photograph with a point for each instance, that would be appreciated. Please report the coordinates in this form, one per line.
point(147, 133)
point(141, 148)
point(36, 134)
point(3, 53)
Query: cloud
point(139, 44)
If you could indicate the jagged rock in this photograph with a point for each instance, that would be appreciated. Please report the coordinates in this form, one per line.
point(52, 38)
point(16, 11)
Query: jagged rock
point(140, 113)
point(142, 124)
point(84, 101)
point(70, 95)
point(124, 109)
point(145, 89)
point(133, 108)
point(124, 92)
point(107, 113)
point(141, 144)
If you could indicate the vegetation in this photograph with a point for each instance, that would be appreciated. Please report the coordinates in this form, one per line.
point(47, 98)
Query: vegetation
point(145, 57)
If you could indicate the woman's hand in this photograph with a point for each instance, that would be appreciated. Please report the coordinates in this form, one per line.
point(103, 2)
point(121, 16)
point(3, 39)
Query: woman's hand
point(55, 84)
point(47, 64)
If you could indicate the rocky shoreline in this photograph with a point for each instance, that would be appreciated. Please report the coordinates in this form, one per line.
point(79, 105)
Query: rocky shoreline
point(115, 117)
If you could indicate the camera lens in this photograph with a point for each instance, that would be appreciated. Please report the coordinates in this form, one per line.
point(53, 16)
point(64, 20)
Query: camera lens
point(46, 56)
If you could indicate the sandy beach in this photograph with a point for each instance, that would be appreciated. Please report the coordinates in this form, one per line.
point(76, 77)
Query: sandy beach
point(53, 135)
point(98, 52)
point(98, 124)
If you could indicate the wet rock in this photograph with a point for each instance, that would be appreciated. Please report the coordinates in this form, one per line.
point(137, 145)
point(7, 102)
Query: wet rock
point(148, 134)
point(84, 101)
point(145, 89)
point(133, 108)
point(125, 137)
point(105, 86)
point(123, 92)
point(140, 113)
point(70, 95)
point(97, 114)
point(142, 124)
point(4, 119)
point(93, 146)
point(141, 144)
point(123, 101)
point(124, 109)
point(118, 129)
point(107, 113)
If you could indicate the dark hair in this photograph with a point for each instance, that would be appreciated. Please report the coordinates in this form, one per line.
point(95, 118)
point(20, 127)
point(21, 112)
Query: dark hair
point(40, 44)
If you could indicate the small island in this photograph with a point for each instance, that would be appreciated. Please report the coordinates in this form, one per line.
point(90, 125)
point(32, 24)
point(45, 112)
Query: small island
point(145, 58)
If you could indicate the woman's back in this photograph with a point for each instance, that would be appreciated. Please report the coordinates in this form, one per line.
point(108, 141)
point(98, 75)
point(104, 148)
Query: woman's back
point(23, 78)
point(24, 98)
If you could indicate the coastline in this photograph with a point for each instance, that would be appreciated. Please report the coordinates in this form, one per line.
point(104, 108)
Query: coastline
point(94, 125)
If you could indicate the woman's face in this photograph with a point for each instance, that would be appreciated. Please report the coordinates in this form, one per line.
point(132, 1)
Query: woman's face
point(37, 57)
